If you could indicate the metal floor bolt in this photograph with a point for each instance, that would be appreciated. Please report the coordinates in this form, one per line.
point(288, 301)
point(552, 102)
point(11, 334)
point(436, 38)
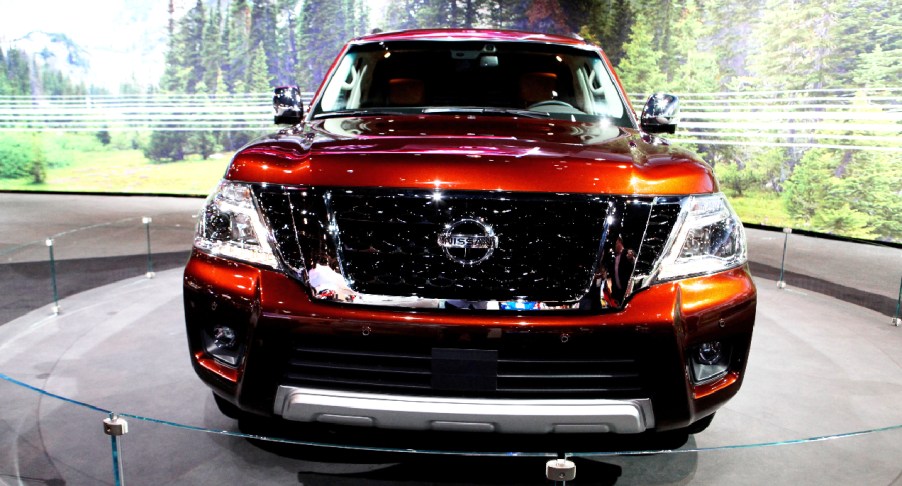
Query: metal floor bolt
point(560, 470)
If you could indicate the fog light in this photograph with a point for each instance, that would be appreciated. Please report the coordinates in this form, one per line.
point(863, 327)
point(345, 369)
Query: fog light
point(709, 361)
point(224, 337)
point(709, 353)
point(222, 343)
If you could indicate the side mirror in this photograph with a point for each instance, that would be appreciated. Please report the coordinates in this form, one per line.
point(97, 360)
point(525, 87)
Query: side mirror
point(661, 113)
point(288, 105)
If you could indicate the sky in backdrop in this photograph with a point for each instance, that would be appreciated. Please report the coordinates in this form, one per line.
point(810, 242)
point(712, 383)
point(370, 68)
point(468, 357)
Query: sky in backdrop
point(122, 41)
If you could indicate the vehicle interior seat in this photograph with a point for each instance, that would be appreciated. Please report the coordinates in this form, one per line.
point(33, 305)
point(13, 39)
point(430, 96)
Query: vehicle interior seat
point(536, 87)
point(406, 92)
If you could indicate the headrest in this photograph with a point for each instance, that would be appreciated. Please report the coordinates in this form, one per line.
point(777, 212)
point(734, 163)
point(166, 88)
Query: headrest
point(405, 92)
point(535, 87)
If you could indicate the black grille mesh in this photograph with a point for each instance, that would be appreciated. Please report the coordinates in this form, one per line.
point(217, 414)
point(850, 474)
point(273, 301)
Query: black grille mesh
point(527, 366)
point(385, 241)
point(546, 246)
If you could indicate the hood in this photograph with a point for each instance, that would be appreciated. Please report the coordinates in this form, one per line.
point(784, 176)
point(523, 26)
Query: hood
point(472, 152)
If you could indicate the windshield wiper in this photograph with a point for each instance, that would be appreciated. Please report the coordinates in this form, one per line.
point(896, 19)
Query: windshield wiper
point(488, 111)
point(371, 112)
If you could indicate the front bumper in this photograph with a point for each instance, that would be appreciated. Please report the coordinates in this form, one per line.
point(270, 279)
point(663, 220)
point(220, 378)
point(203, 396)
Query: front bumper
point(659, 326)
point(464, 415)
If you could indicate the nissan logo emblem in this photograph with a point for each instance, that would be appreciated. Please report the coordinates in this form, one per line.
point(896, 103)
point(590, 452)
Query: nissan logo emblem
point(468, 241)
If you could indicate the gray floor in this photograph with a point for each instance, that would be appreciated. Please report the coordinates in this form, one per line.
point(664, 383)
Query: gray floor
point(819, 366)
point(92, 226)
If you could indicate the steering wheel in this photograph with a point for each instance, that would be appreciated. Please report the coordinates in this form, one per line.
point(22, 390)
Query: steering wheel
point(544, 103)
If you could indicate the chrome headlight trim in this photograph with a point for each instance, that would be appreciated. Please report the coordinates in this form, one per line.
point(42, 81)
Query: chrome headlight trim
point(230, 225)
point(708, 238)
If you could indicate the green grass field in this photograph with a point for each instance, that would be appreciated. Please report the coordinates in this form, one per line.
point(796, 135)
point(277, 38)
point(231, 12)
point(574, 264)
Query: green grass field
point(762, 208)
point(127, 171)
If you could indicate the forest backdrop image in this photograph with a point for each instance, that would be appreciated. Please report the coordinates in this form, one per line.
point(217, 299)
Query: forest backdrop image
point(796, 104)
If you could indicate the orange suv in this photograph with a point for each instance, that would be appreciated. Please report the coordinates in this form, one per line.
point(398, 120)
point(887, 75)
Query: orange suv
point(471, 230)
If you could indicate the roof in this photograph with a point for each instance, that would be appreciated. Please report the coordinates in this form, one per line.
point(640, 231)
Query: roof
point(472, 34)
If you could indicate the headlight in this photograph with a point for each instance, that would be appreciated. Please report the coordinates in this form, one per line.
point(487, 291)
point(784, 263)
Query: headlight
point(709, 239)
point(230, 226)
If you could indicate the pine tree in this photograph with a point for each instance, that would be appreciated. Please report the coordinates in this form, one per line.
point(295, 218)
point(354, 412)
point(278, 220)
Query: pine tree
point(861, 27)
point(170, 145)
point(18, 72)
point(728, 35)
point(5, 85)
point(812, 185)
point(286, 39)
point(350, 22)
point(872, 178)
point(258, 80)
point(174, 76)
point(237, 40)
point(363, 17)
point(263, 34)
point(38, 167)
point(878, 69)
point(225, 54)
point(401, 14)
point(666, 39)
point(453, 13)
point(797, 57)
point(640, 70)
point(548, 16)
point(202, 142)
point(872, 187)
point(321, 32)
point(607, 24)
point(191, 38)
point(470, 13)
point(693, 69)
point(503, 14)
point(212, 51)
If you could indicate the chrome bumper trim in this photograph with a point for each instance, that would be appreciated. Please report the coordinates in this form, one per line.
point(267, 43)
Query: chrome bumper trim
point(464, 414)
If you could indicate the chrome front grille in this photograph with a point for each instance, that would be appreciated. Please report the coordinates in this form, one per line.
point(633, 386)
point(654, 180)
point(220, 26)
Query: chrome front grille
point(548, 248)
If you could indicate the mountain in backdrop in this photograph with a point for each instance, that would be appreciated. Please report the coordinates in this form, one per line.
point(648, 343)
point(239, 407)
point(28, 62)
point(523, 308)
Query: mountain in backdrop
point(56, 51)
point(134, 59)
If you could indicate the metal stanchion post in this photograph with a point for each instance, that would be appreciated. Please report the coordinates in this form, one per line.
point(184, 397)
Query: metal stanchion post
point(115, 427)
point(150, 273)
point(781, 284)
point(56, 298)
point(897, 320)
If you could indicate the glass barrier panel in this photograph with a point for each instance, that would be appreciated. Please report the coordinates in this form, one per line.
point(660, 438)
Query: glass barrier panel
point(870, 458)
point(47, 440)
point(857, 272)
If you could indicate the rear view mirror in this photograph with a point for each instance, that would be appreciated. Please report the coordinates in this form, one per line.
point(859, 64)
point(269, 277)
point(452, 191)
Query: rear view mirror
point(288, 105)
point(661, 113)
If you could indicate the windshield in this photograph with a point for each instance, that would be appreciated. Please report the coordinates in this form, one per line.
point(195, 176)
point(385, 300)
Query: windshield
point(515, 78)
